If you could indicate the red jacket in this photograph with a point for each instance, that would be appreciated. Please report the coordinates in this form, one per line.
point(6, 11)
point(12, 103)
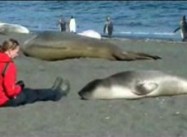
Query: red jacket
point(10, 89)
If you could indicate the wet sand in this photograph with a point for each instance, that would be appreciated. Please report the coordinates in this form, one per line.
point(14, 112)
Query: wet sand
point(72, 117)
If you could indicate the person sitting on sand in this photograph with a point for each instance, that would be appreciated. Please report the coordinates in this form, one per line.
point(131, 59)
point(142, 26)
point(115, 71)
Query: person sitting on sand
point(14, 93)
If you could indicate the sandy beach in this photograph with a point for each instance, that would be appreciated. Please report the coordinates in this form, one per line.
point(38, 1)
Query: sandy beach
point(72, 117)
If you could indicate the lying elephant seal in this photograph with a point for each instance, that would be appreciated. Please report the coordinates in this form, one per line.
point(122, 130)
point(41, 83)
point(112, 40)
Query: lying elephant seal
point(6, 28)
point(62, 45)
point(134, 85)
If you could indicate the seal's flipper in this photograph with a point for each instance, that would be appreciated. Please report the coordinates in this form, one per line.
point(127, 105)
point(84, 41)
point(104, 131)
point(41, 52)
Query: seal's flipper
point(145, 88)
point(130, 56)
point(141, 55)
point(155, 57)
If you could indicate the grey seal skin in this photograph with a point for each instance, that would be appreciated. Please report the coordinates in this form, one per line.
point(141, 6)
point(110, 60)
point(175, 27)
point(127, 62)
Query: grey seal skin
point(134, 85)
point(53, 46)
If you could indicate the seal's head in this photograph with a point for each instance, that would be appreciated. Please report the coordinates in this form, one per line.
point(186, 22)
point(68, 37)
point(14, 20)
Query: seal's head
point(87, 92)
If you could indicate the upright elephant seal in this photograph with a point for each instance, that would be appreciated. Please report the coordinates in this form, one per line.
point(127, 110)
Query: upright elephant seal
point(63, 45)
point(134, 85)
point(7, 28)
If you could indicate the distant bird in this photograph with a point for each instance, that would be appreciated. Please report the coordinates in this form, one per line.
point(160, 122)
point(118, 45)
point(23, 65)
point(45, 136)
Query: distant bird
point(183, 28)
point(108, 27)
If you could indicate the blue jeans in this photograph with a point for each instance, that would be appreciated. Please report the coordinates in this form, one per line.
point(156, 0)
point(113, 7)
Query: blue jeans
point(28, 96)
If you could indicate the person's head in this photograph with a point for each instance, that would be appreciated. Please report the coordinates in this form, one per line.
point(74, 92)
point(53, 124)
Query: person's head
point(10, 47)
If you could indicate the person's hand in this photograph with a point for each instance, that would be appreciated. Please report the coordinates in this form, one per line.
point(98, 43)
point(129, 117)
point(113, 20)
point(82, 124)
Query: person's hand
point(21, 84)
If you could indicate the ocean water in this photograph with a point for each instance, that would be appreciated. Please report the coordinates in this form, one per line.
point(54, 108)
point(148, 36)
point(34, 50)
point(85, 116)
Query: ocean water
point(132, 19)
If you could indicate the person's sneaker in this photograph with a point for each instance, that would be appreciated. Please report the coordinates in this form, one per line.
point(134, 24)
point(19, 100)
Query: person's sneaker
point(65, 87)
point(57, 84)
point(62, 87)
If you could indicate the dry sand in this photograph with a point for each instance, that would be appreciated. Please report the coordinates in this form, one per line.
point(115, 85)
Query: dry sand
point(72, 117)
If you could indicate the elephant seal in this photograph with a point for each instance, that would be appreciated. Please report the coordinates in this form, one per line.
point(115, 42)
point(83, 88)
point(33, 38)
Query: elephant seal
point(183, 28)
point(53, 46)
point(6, 28)
point(134, 85)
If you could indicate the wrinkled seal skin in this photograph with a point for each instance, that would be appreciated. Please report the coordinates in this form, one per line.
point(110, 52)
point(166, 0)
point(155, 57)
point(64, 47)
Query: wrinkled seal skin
point(53, 46)
point(134, 85)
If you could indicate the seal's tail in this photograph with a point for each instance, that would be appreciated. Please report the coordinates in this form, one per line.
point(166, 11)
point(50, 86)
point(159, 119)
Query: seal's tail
point(130, 56)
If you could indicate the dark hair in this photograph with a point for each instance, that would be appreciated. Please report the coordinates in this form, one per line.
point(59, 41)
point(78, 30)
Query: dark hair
point(9, 44)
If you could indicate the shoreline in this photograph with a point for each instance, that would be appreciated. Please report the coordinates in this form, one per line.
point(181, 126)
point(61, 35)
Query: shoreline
point(145, 38)
point(130, 37)
point(24, 37)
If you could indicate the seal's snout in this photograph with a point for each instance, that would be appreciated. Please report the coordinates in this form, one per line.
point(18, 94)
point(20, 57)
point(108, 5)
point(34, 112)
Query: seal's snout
point(83, 98)
point(82, 95)
point(87, 92)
